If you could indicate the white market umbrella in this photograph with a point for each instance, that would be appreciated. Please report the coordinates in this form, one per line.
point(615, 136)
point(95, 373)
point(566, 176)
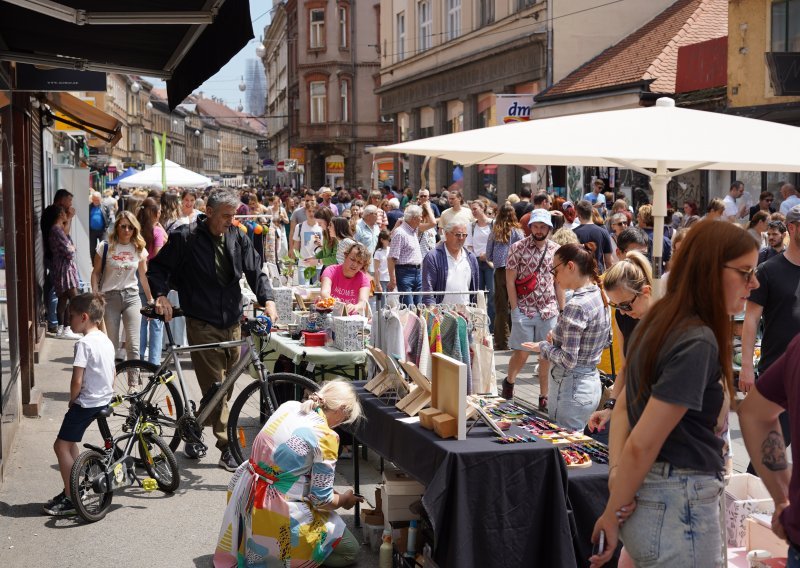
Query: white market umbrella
point(177, 176)
point(669, 140)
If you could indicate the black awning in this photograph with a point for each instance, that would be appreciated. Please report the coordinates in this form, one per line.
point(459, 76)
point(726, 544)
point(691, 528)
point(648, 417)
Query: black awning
point(184, 55)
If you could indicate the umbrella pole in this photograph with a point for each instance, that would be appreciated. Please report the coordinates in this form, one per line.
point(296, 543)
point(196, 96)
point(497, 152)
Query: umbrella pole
point(659, 182)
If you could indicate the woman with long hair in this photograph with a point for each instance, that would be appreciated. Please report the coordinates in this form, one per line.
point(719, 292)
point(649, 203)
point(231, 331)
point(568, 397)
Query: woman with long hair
point(505, 233)
point(757, 226)
point(348, 281)
point(125, 259)
point(328, 243)
point(581, 334)
point(340, 227)
point(691, 213)
point(155, 237)
point(65, 272)
point(666, 450)
point(170, 211)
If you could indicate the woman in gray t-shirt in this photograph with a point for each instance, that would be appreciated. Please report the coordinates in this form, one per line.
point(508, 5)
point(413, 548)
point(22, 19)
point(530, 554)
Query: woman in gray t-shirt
point(666, 445)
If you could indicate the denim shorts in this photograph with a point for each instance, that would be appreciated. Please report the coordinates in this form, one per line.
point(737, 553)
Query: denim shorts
point(525, 328)
point(677, 519)
point(76, 421)
point(573, 395)
point(793, 557)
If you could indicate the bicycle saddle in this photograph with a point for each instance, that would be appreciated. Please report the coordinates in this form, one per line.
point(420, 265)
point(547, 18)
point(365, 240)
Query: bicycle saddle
point(106, 412)
point(150, 312)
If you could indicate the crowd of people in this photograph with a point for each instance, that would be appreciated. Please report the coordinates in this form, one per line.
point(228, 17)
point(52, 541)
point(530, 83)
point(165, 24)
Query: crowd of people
point(558, 276)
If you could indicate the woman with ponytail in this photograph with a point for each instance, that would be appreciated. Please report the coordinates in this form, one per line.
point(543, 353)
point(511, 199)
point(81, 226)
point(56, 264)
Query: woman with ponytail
point(575, 345)
point(281, 501)
point(667, 448)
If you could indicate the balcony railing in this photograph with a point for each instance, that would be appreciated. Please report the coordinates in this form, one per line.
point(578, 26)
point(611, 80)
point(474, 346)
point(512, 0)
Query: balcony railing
point(339, 131)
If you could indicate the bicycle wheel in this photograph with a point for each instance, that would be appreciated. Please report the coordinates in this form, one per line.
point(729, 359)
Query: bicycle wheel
point(159, 461)
point(163, 410)
point(251, 409)
point(90, 505)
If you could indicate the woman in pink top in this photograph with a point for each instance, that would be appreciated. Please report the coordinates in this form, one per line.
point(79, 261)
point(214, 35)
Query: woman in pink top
point(155, 237)
point(348, 282)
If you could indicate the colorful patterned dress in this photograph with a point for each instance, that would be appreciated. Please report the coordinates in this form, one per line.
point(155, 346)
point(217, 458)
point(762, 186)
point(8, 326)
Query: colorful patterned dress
point(272, 519)
point(64, 269)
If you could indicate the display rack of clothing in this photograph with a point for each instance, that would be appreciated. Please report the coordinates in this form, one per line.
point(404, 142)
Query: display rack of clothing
point(413, 333)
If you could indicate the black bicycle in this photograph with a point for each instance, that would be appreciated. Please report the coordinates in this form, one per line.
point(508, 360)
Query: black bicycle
point(98, 472)
point(178, 418)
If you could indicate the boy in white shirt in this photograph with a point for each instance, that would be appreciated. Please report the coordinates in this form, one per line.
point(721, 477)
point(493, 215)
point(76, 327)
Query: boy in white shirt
point(90, 390)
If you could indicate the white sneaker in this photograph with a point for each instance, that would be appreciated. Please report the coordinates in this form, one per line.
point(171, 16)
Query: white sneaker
point(67, 333)
point(60, 332)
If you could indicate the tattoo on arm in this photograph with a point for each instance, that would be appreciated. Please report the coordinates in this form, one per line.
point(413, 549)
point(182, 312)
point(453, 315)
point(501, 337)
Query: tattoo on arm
point(773, 451)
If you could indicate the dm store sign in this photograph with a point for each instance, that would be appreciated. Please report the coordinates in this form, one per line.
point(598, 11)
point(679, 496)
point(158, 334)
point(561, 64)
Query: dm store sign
point(513, 108)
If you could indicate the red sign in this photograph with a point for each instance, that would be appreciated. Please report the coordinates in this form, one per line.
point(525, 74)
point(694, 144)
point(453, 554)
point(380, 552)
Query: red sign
point(280, 166)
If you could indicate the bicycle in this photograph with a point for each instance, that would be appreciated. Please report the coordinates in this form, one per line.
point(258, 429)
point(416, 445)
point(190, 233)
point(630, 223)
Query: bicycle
point(98, 472)
point(178, 421)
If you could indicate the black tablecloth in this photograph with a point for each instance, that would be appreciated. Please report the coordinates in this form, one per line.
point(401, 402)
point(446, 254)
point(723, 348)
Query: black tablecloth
point(492, 504)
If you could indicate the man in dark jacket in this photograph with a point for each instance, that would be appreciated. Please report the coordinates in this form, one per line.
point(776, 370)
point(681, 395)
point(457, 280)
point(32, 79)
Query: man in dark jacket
point(449, 267)
point(204, 262)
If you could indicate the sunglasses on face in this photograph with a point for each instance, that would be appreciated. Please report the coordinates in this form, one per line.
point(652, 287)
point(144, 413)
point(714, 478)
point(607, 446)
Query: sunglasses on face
point(621, 224)
point(625, 306)
point(125, 227)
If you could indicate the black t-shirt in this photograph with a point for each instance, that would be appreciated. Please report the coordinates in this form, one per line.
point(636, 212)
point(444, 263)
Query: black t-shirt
point(626, 325)
point(49, 216)
point(590, 232)
point(779, 294)
point(522, 207)
point(766, 253)
point(688, 374)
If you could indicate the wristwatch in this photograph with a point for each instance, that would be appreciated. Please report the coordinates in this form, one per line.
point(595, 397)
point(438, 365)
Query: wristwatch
point(609, 404)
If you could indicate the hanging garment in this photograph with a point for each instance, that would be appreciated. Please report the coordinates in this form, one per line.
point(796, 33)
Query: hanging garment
point(434, 332)
point(455, 343)
point(425, 352)
point(394, 340)
point(483, 373)
point(413, 335)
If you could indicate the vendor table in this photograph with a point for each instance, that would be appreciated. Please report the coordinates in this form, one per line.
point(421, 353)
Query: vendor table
point(491, 504)
point(326, 360)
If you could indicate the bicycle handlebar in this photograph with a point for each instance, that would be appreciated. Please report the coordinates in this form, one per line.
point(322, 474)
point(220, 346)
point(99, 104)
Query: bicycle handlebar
point(150, 312)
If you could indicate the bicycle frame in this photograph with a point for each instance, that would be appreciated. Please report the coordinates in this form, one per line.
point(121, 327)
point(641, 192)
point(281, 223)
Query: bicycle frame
point(251, 357)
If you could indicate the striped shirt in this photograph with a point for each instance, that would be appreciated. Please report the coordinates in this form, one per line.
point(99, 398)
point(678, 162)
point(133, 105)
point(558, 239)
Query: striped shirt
point(582, 332)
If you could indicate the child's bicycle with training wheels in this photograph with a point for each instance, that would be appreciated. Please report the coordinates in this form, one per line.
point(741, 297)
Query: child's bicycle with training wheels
point(98, 472)
point(169, 407)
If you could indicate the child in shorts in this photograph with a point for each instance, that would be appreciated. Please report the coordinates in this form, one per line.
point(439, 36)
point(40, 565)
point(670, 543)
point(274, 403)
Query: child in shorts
point(90, 391)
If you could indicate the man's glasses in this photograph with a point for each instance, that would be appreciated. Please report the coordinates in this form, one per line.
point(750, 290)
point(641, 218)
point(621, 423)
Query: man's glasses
point(625, 306)
point(749, 275)
point(621, 224)
point(125, 227)
point(460, 235)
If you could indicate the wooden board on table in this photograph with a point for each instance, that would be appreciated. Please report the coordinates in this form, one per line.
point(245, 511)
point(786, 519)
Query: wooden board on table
point(449, 390)
point(420, 395)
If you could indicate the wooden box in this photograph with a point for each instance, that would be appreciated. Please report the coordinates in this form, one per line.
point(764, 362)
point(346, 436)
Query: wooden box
point(449, 392)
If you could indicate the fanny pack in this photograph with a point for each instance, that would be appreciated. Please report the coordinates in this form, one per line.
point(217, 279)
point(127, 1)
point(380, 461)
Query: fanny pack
point(525, 286)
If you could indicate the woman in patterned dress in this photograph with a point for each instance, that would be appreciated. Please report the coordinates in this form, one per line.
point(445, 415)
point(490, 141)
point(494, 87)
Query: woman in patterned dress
point(65, 271)
point(281, 501)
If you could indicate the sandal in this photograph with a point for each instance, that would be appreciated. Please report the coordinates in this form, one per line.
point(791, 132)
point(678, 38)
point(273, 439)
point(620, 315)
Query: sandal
point(543, 402)
point(508, 390)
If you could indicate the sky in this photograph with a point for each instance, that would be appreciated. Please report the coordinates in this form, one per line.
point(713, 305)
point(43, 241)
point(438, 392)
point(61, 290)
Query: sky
point(225, 83)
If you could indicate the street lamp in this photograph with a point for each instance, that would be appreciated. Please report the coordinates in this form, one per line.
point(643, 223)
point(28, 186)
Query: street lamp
point(149, 105)
point(240, 108)
point(260, 49)
point(197, 133)
point(135, 87)
point(243, 85)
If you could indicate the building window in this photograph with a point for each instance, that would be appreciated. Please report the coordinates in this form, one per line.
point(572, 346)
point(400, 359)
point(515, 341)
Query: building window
point(523, 4)
point(786, 25)
point(318, 101)
point(401, 36)
point(425, 25)
point(317, 31)
point(342, 27)
point(485, 12)
point(453, 19)
point(344, 101)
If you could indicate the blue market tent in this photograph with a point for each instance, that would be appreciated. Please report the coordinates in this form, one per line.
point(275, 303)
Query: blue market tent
point(123, 175)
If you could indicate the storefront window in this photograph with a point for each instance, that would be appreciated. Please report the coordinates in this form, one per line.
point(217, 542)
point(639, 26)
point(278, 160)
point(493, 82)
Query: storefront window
point(785, 25)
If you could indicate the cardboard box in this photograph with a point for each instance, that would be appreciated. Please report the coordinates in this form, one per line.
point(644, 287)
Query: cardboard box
point(396, 507)
point(745, 495)
point(400, 483)
point(348, 333)
point(760, 536)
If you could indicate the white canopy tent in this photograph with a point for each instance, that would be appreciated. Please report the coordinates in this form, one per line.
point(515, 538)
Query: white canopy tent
point(177, 176)
point(669, 140)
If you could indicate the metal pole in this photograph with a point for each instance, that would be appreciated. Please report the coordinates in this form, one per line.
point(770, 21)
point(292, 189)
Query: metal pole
point(659, 182)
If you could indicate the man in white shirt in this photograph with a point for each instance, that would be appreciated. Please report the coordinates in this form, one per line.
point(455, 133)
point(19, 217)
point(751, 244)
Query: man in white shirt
point(477, 240)
point(456, 212)
point(734, 212)
point(449, 267)
point(790, 198)
point(307, 239)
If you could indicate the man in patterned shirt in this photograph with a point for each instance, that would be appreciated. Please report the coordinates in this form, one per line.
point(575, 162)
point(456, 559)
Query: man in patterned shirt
point(533, 315)
point(405, 256)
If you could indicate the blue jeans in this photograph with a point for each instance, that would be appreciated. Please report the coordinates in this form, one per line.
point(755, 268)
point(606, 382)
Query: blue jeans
point(793, 556)
point(409, 279)
point(676, 521)
point(151, 338)
point(574, 395)
point(486, 273)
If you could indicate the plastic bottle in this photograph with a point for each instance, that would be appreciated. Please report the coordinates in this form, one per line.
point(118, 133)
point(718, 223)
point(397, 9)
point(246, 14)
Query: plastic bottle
point(411, 547)
point(385, 552)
